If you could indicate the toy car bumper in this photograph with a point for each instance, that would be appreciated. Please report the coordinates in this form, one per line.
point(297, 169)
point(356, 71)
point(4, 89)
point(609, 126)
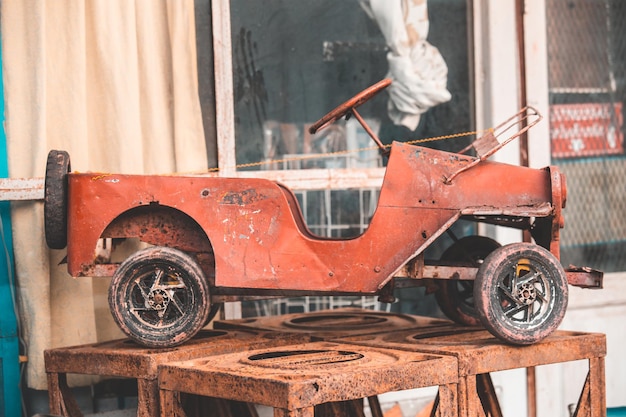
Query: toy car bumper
point(584, 277)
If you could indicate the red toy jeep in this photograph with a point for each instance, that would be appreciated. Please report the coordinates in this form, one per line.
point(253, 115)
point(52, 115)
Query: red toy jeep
point(212, 239)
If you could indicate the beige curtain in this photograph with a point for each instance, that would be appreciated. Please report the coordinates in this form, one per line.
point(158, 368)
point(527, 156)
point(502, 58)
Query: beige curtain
point(114, 83)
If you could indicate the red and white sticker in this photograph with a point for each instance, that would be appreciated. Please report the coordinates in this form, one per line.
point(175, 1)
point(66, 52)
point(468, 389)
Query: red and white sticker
point(590, 129)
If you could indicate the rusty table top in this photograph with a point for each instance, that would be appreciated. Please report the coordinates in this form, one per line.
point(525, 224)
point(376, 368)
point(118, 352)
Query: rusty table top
point(480, 352)
point(125, 358)
point(306, 375)
point(325, 324)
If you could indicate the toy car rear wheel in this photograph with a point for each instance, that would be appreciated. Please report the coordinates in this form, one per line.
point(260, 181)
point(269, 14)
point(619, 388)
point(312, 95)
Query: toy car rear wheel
point(455, 297)
point(159, 297)
point(55, 199)
point(521, 293)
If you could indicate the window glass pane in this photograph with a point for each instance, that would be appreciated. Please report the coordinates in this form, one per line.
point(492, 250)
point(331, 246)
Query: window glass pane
point(293, 61)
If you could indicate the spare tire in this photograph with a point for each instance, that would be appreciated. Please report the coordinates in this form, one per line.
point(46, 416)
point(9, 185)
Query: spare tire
point(55, 199)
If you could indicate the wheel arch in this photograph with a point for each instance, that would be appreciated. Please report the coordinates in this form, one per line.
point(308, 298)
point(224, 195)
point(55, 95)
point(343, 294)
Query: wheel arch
point(156, 225)
point(160, 225)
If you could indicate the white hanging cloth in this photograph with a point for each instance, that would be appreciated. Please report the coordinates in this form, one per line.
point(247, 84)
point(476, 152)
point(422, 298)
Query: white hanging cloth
point(418, 70)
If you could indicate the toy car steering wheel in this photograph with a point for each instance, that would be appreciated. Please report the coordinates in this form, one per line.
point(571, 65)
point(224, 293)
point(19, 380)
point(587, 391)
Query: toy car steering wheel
point(349, 107)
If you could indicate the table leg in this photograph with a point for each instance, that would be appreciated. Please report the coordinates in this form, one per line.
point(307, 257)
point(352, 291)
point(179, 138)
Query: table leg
point(170, 404)
point(531, 391)
point(469, 401)
point(592, 400)
point(448, 401)
point(597, 387)
point(300, 412)
point(148, 398)
point(582, 408)
point(487, 394)
point(374, 404)
point(61, 400)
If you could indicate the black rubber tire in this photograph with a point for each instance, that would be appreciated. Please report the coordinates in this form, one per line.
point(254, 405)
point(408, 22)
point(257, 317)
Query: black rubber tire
point(521, 293)
point(55, 199)
point(157, 313)
point(456, 298)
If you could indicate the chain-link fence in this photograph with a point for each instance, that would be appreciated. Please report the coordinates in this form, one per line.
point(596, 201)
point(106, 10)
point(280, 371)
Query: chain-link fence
point(587, 84)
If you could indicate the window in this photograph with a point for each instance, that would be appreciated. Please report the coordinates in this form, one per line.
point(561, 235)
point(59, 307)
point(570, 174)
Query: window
point(291, 62)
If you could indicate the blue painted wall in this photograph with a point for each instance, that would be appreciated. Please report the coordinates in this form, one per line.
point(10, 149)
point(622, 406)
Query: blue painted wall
point(10, 397)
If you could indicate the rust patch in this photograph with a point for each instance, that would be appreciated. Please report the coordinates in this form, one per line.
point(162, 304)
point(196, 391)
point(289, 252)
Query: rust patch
point(241, 198)
point(307, 375)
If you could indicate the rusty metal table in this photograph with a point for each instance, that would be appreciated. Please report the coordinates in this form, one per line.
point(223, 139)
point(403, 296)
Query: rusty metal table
point(125, 358)
point(295, 379)
point(479, 353)
point(329, 324)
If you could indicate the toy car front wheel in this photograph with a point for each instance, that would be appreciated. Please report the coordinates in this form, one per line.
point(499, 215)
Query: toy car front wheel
point(455, 297)
point(159, 297)
point(521, 293)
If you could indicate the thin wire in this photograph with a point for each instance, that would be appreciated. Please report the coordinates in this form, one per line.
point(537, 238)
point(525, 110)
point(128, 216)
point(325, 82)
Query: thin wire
point(344, 152)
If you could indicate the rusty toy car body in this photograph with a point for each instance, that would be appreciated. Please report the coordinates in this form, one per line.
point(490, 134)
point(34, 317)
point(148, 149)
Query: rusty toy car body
point(212, 239)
